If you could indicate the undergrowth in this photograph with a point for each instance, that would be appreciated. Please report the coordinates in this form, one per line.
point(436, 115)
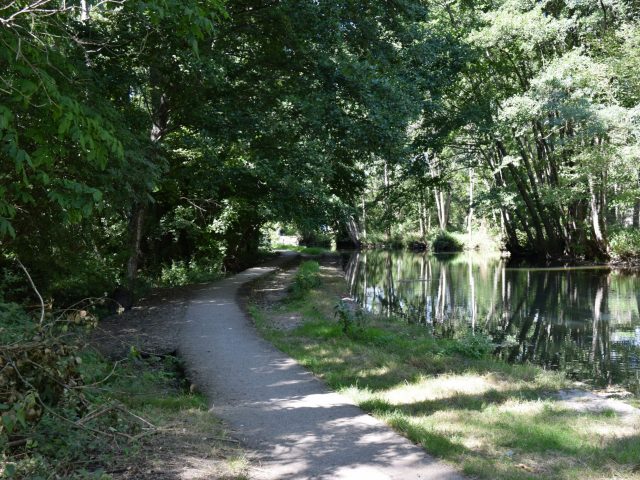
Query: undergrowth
point(307, 277)
point(66, 411)
point(625, 245)
point(303, 249)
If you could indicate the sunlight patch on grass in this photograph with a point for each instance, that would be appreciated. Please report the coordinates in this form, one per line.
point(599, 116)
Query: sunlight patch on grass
point(492, 419)
point(439, 387)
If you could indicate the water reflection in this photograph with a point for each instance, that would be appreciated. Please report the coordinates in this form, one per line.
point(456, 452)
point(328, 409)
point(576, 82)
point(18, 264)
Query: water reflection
point(584, 320)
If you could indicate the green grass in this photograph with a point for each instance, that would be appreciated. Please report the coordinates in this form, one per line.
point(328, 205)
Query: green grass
point(302, 249)
point(490, 419)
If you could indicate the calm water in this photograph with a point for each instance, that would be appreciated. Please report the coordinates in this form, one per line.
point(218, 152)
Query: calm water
point(584, 320)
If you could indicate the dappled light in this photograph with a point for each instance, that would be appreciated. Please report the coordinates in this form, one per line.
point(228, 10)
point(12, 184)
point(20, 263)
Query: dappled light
point(493, 419)
point(445, 196)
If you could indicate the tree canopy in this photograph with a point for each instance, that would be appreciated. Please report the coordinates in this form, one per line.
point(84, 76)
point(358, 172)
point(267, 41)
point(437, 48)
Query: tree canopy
point(140, 133)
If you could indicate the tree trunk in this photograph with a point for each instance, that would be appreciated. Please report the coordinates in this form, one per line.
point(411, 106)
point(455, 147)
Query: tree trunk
point(470, 225)
point(443, 200)
point(84, 10)
point(387, 206)
point(136, 223)
point(354, 233)
point(636, 206)
point(422, 213)
point(596, 218)
point(364, 219)
point(159, 127)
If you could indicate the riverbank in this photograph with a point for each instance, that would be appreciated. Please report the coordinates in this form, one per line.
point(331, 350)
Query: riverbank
point(435, 241)
point(491, 419)
point(624, 247)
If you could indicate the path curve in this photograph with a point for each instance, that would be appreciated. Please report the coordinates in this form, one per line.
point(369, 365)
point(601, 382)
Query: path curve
point(298, 428)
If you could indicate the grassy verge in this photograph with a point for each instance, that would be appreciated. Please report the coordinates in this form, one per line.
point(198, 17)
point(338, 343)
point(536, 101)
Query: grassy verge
point(491, 419)
point(137, 420)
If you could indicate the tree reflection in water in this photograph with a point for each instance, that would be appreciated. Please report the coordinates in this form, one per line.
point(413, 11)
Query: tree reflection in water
point(584, 320)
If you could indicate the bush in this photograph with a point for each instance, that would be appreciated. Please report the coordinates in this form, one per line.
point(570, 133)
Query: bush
point(302, 249)
point(306, 278)
point(380, 240)
point(471, 345)
point(183, 273)
point(625, 244)
point(316, 239)
point(39, 370)
point(445, 242)
point(349, 317)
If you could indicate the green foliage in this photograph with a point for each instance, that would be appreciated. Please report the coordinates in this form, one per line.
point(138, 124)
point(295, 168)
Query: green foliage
point(472, 345)
point(316, 239)
point(625, 245)
point(101, 429)
point(44, 393)
point(350, 318)
point(302, 249)
point(183, 273)
point(307, 277)
point(445, 242)
point(38, 365)
point(536, 138)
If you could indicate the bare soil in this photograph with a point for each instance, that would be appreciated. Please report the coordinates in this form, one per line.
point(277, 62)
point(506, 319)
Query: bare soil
point(189, 444)
point(152, 326)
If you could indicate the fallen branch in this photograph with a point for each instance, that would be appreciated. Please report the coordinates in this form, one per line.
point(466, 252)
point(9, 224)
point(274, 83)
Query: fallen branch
point(33, 285)
point(95, 414)
point(223, 439)
point(130, 413)
point(17, 443)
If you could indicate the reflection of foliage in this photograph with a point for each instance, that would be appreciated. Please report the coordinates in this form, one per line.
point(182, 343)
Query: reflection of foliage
point(547, 316)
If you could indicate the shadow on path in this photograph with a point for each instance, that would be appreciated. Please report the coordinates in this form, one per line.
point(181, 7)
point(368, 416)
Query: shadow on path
point(297, 427)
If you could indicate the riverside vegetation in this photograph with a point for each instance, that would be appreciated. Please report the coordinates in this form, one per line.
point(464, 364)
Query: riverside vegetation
point(492, 419)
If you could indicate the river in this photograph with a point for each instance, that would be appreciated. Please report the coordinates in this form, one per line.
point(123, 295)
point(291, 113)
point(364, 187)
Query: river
point(582, 320)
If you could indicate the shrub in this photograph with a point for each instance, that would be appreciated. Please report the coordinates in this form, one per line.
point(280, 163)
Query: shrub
point(316, 239)
point(306, 278)
point(349, 317)
point(471, 345)
point(183, 273)
point(39, 366)
point(302, 249)
point(445, 242)
point(625, 244)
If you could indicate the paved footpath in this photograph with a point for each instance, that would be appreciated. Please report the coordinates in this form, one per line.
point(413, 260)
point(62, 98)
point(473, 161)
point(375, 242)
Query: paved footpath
point(298, 428)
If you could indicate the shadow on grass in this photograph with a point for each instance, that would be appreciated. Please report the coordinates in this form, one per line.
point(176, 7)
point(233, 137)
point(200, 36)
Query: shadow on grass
point(540, 431)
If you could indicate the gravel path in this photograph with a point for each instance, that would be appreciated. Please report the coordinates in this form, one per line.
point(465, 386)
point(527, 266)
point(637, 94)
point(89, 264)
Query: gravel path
point(297, 427)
